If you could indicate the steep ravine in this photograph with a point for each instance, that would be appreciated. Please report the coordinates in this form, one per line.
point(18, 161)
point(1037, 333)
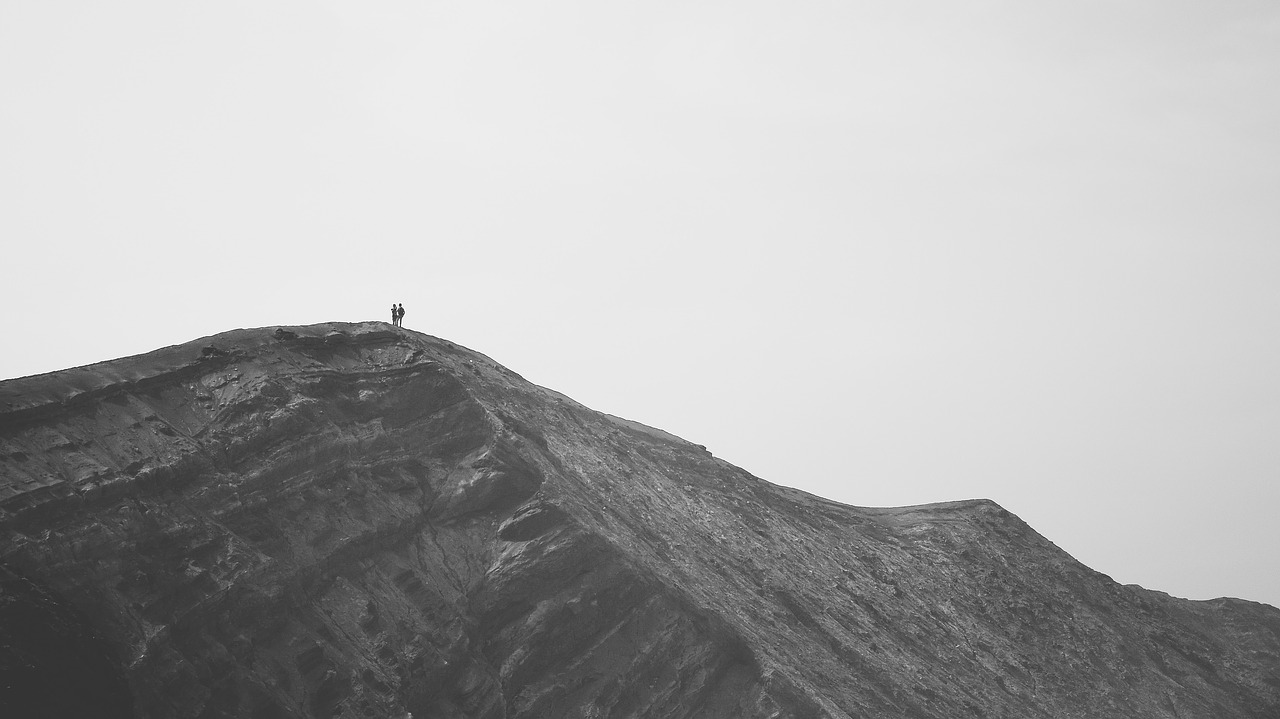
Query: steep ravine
point(360, 521)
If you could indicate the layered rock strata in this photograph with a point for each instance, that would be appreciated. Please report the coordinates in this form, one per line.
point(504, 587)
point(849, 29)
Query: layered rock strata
point(359, 521)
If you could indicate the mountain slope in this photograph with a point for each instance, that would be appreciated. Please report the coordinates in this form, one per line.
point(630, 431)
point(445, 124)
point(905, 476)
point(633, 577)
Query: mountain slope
point(355, 520)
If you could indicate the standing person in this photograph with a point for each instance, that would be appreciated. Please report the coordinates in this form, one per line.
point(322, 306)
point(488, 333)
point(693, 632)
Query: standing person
point(395, 315)
point(400, 315)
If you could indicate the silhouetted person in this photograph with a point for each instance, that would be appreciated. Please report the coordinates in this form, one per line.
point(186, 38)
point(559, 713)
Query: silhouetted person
point(400, 315)
point(395, 315)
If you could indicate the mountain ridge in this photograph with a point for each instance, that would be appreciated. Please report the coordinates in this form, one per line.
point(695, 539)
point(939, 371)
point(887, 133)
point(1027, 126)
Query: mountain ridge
point(327, 496)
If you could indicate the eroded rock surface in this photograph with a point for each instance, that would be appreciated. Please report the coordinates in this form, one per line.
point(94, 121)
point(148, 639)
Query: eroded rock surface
point(360, 521)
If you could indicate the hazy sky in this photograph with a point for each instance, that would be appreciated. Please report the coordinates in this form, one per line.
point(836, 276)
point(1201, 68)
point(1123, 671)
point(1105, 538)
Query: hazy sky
point(890, 253)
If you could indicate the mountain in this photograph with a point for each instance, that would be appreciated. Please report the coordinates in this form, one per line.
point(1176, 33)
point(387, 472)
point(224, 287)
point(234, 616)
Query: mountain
point(354, 520)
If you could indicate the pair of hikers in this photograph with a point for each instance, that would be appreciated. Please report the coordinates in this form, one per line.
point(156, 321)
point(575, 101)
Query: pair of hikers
point(397, 315)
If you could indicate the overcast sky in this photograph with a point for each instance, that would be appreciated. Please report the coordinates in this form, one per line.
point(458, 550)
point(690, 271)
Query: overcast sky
point(890, 253)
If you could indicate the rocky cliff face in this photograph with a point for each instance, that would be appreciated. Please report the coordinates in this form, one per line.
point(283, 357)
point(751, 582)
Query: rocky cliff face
point(359, 521)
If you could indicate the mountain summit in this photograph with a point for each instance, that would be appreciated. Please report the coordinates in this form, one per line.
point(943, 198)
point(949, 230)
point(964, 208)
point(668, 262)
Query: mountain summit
point(355, 520)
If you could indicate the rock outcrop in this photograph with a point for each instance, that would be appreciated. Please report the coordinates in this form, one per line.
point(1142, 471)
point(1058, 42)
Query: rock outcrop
point(360, 521)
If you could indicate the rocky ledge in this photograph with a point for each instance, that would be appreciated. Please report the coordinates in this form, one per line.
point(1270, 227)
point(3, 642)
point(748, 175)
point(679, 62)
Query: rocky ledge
point(354, 520)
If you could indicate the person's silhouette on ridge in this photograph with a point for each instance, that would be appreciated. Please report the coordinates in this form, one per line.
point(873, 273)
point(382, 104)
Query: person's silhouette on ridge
point(395, 315)
point(400, 315)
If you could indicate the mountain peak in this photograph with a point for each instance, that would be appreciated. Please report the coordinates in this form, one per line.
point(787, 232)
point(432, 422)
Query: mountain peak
point(348, 520)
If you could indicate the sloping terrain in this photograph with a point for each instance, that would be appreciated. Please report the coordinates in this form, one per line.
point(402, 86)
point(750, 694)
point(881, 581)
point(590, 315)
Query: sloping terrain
point(351, 520)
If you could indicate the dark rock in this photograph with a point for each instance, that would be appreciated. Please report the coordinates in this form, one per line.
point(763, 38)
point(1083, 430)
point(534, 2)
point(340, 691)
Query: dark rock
point(365, 523)
point(52, 662)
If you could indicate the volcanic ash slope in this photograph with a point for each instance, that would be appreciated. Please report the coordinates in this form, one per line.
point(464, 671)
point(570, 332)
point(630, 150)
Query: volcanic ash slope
point(353, 520)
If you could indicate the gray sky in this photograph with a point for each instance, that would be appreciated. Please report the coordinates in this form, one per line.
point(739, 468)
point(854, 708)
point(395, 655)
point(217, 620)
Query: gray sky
point(889, 253)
